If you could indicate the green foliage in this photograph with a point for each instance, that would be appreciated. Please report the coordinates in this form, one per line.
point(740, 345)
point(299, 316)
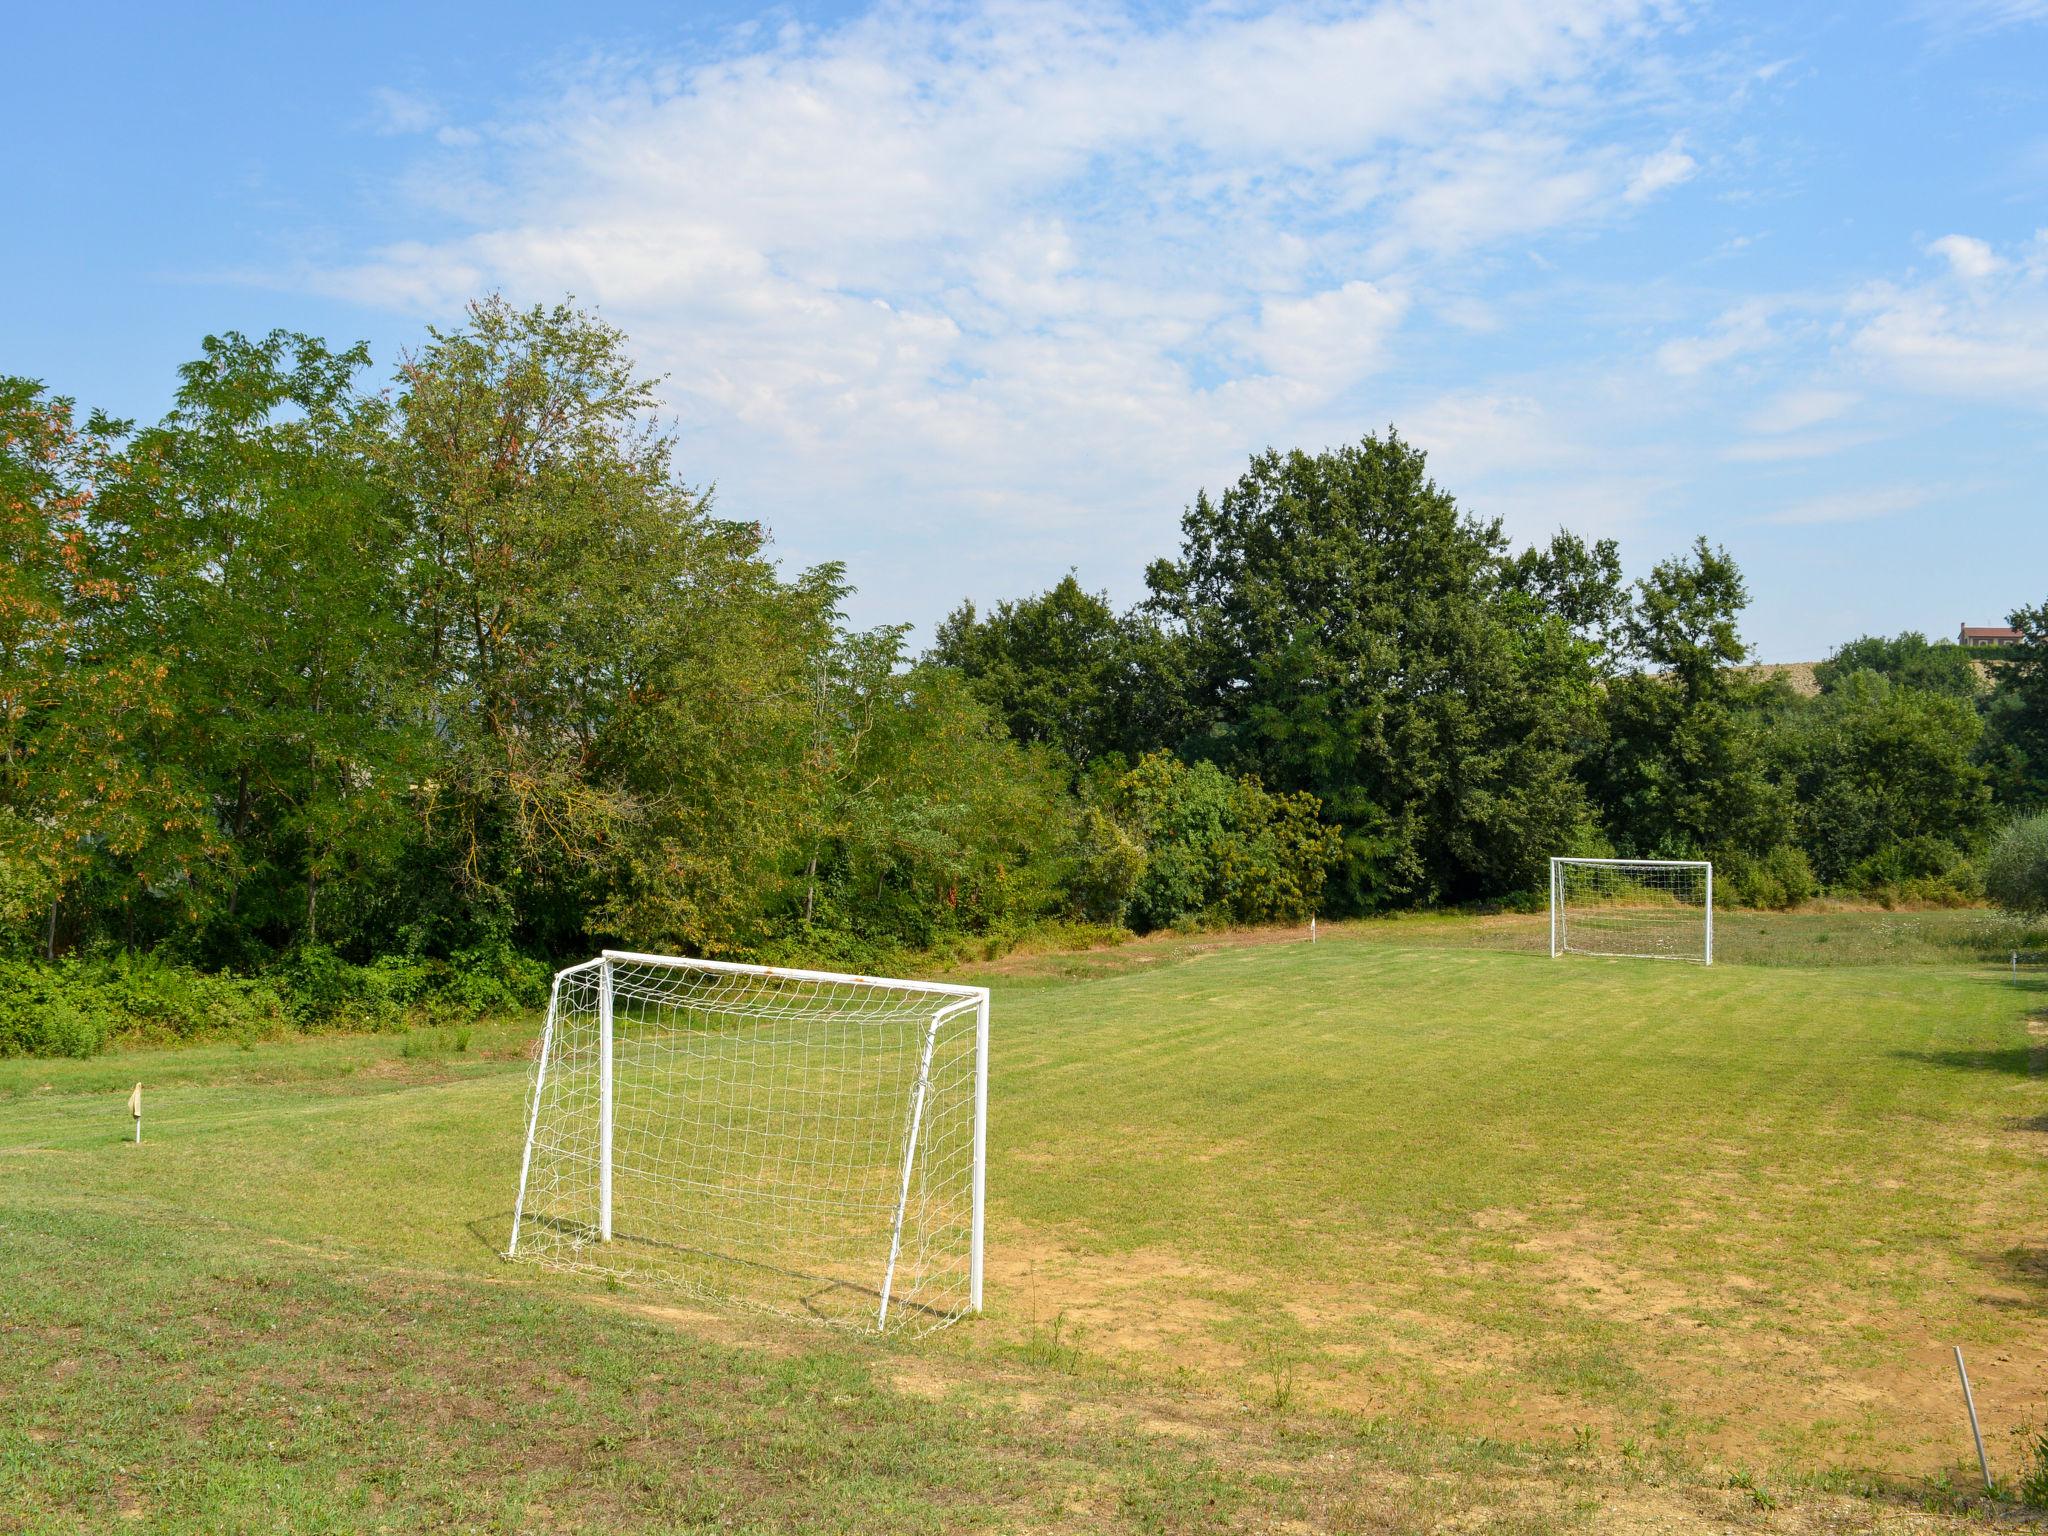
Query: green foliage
point(1107, 860)
point(1582, 584)
point(1218, 848)
point(2017, 715)
point(1772, 881)
point(1054, 668)
point(2031, 1487)
point(1347, 632)
point(2016, 872)
point(1682, 768)
point(1890, 796)
point(1909, 660)
point(80, 1006)
point(75, 1008)
point(397, 695)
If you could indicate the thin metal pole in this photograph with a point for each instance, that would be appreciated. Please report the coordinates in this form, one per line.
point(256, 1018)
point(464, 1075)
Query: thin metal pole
point(924, 1077)
point(1553, 909)
point(1970, 1402)
point(1710, 914)
point(604, 1102)
point(540, 1080)
point(980, 1153)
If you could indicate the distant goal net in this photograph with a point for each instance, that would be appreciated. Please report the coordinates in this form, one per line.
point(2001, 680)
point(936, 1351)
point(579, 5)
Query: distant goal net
point(1652, 909)
point(797, 1140)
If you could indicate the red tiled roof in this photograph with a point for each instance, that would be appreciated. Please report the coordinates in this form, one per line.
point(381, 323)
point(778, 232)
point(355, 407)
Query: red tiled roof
point(1989, 632)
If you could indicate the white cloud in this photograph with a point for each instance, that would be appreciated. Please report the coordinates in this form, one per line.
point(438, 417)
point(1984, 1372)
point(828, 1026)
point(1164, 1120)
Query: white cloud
point(1792, 447)
point(1967, 257)
point(1797, 409)
point(1480, 434)
point(1669, 167)
point(1980, 332)
point(394, 111)
point(1981, 15)
point(1852, 506)
point(1073, 253)
point(1329, 339)
point(1741, 329)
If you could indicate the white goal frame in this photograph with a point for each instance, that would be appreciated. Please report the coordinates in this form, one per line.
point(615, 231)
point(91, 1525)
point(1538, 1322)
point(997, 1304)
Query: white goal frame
point(577, 1227)
point(1563, 939)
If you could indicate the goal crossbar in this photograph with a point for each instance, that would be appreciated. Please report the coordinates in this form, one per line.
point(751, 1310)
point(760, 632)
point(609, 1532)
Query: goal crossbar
point(1651, 909)
point(809, 1141)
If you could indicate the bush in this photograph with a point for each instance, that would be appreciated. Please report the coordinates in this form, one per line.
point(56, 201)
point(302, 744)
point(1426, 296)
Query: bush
point(1219, 849)
point(79, 1006)
point(2016, 873)
point(75, 1008)
point(1775, 881)
point(1920, 871)
point(38, 1017)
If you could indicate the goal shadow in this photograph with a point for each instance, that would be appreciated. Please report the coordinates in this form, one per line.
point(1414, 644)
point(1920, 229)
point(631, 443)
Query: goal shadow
point(805, 1304)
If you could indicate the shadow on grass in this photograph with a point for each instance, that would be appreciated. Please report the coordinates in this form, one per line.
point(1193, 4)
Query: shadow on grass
point(2027, 1266)
point(2013, 1061)
point(493, 1232)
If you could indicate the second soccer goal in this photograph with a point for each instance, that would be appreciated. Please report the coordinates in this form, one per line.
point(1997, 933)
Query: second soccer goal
point(1652, 909)
point(799, 1140)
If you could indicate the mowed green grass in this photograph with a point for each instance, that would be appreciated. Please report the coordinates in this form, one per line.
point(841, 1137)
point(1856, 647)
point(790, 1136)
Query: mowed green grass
point(1744, 1208)
point(1277, 1232)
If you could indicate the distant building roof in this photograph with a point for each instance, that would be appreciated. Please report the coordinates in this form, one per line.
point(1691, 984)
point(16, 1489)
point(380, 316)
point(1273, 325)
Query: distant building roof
point(1988, 634)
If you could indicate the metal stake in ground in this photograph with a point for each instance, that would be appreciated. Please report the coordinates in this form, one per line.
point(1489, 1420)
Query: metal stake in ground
point(135, 1109)
point(1970, 1402)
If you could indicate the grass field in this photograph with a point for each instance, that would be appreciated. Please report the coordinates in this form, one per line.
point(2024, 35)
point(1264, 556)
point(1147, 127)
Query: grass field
point(1411, 1228)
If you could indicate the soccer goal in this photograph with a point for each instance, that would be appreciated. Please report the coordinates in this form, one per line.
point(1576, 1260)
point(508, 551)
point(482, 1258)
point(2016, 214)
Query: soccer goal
point(803, 1141)
point(1653, 909)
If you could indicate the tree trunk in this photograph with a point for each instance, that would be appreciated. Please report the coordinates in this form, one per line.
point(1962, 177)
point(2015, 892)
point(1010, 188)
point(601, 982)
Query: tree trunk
point(312, 903)
point(50, 933)
point(811, 889)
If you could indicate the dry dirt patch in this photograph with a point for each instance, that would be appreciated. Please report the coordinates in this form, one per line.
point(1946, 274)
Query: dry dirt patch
point(1754, 1377)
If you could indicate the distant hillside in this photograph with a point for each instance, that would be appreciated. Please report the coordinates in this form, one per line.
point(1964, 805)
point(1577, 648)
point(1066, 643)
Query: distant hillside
point(1799, 674)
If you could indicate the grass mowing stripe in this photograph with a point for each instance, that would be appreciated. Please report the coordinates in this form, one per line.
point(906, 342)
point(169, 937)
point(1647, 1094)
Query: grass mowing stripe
point(1725, 1215)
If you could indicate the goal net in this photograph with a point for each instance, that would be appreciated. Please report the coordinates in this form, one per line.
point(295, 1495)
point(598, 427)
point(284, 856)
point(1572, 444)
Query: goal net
point(797, 1140)
point(1655, 909)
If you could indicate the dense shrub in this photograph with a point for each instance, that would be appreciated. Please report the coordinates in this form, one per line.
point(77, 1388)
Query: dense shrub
point(1219, 848)
point(2016, 873)
point(1776, 880)
point(76, 1007)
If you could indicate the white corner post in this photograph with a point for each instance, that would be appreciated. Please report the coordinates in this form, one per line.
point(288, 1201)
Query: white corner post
point(980, 1152)
point(540, 1082)
point(604, 1102)
point(1555, 906)
point(1710, 914)
point(917, 1098)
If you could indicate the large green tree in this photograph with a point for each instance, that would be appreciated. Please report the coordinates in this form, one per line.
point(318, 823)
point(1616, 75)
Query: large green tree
point(1683, 768)
point(1057, 668)
point(2018, 716)
point(262, 546)
point(1348, 631)
point(1887, 783)
point(1910, 660)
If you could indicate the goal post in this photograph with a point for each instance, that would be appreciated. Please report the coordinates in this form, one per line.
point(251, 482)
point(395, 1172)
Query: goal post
point(1652, 909)
point(805, 1141)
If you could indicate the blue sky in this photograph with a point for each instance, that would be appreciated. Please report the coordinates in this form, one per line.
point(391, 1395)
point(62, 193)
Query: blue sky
point(965, 295)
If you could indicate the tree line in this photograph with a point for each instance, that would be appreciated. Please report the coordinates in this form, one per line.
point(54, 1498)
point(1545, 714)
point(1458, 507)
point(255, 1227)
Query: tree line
point(456, 670)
